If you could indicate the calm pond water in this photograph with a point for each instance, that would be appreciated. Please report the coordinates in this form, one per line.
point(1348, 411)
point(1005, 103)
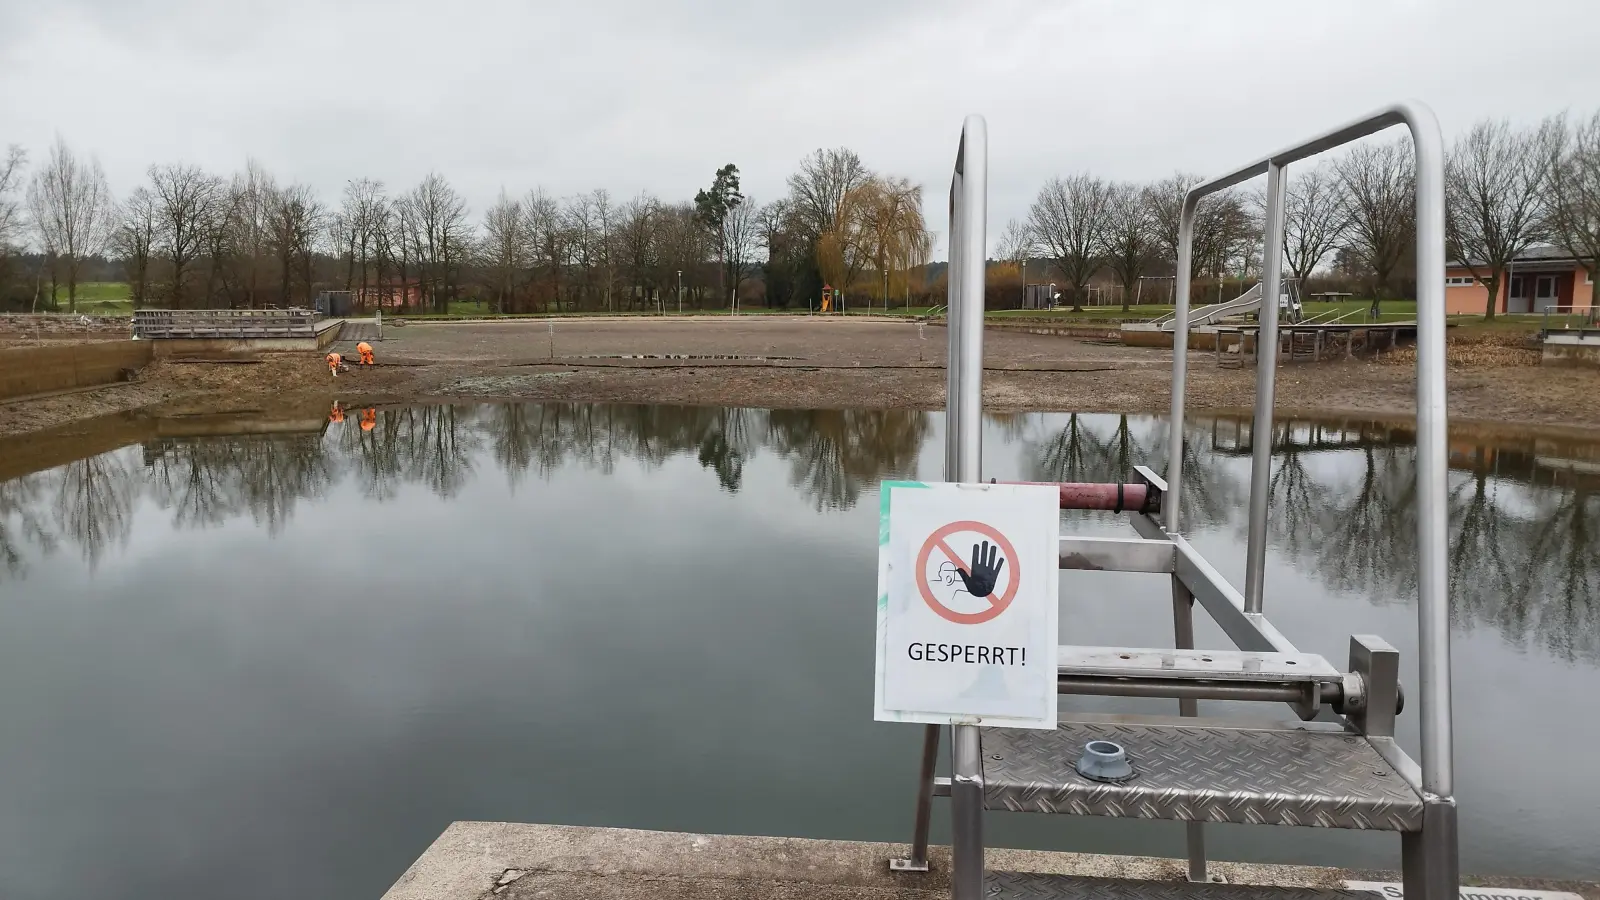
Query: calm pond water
point(279, 664)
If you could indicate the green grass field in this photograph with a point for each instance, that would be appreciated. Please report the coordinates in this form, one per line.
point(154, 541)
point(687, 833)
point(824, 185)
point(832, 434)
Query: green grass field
point(98, 297)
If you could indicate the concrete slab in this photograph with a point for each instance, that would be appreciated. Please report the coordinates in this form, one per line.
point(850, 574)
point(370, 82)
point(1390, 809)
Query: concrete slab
point(487, 860)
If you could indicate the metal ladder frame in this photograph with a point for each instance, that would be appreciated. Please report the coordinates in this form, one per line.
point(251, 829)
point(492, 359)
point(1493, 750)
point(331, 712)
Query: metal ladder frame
point(1430, 860)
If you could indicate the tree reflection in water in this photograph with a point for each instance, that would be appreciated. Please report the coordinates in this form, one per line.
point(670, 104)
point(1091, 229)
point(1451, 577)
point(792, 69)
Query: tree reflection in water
point(1525, 514)
point(1524, 550)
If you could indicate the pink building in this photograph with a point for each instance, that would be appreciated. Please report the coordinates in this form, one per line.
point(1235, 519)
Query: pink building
point(1541, 278)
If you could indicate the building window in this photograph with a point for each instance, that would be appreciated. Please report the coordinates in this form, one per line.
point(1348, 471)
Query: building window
point(1459, 281)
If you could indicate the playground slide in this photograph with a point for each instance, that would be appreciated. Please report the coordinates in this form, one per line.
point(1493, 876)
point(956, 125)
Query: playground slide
point(1247, 302)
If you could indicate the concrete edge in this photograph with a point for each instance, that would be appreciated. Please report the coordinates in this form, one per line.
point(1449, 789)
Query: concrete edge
point(470, 859)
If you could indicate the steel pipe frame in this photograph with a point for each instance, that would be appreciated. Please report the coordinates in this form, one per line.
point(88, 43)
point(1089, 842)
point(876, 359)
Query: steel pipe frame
point(1188, 691)
point(969, 213)
point(1431, 857)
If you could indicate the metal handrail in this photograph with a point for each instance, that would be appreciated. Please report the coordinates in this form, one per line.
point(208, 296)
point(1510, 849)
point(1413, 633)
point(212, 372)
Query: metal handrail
point(1436, 854)
point(1589, 316)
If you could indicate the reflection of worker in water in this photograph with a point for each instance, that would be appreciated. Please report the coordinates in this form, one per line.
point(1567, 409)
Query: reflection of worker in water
point(365, 349)
point(335, 363)
point(336, 415)
point(369, 418)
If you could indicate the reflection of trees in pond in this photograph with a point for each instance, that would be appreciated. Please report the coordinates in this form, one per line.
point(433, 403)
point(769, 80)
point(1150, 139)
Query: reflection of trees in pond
point(1565, 560)
point(1524, 540)
point(833, 453)
point(94, 502)
point(206, 481)
point(22, 520)
point(195, 479)
point(1524, 550)
point(1106, 448)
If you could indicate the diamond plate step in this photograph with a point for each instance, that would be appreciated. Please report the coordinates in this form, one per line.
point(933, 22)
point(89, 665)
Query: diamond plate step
point(1030, 886)
point(1202, 771)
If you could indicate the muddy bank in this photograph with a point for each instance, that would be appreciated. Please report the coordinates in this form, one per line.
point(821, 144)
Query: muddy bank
point(811, 364)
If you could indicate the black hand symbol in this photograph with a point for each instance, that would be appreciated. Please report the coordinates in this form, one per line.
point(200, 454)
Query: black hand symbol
point(985, 572)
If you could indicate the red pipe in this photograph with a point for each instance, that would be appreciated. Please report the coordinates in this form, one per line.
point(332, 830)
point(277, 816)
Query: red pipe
point(1114, 497)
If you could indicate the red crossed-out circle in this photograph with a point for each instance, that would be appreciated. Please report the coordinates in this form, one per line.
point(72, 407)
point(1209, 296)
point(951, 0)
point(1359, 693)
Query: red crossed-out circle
point(937, 539)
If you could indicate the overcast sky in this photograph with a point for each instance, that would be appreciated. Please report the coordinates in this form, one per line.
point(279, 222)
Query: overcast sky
point(637, 95)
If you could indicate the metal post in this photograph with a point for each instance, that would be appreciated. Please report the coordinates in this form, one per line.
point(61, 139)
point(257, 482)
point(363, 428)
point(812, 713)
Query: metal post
point(1266, 378)
point(680, 292)
point(1180, 360)
point(1183, 631)
point(964, 461)
point(952, 357)
point(1439, 868)
point(379, 314)
point(919, 834)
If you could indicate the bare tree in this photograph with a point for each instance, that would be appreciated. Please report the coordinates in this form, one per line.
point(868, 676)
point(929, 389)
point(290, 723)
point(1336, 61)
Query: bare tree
point(637, 247)
point(579, 217)
point(222, 254)
point(1380, 206)
point(1068, 217)
point(1128, 235)
point(548, 236)
point(295, 217)
point(1016, 242)
point(71, 206)
point(134, 238)
point(825, 202)
point(683, 246)
point(184, 195)
point(11, 221)
point(1572, 184)
point(605, 240)
point(818, 192)
point(253, 192)
point(1494, 202)
point(505, 249)
point(441, 236)
point(1313, 220)
point(741, 234)
point(1224, 229)
point(1166, 210)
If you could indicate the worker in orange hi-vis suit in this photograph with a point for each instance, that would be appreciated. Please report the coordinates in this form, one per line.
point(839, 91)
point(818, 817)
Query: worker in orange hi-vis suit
point(369, 418)
point(335, 361)
point(365, 349)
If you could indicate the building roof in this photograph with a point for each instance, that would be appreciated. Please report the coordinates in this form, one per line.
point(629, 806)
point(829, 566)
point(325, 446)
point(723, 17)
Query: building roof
point(1540, 253)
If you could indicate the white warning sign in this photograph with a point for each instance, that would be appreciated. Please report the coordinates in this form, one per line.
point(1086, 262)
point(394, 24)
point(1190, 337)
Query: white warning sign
point(968, 578)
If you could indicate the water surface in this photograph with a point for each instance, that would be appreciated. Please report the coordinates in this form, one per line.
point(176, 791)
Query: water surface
point(279, 663)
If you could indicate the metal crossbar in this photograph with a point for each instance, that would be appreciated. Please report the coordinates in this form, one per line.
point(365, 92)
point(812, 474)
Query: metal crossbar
point(1263, 776)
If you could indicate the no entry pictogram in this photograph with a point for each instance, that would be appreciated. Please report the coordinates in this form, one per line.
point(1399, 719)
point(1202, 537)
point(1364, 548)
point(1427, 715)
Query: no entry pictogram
point(936, 541)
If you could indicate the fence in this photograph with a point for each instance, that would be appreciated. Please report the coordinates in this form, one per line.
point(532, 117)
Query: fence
point(164, 324)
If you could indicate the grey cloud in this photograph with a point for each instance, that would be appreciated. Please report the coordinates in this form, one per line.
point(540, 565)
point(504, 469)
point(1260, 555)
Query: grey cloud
point(648, 95)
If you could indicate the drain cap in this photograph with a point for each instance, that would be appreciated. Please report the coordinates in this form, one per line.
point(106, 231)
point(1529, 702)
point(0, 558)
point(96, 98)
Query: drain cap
point(1104, 761)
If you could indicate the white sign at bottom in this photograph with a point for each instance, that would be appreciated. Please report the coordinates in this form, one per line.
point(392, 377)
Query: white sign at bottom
point(1395, 891)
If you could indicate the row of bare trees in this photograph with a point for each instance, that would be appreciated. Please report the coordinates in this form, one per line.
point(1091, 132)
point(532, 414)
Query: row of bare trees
point(1507, 190)
point(188, 237)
